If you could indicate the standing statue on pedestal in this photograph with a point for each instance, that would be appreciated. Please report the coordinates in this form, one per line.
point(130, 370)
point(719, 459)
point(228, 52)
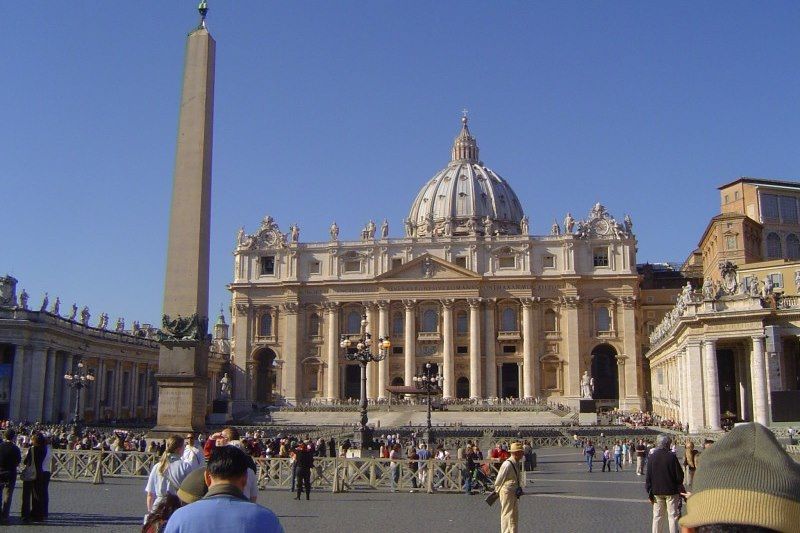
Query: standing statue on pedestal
point(569, 223)
point(555, 230)
point(409, 228)
point(225, 386)
point(74, 312)
point(385, 229)
point(23, 299)
point(85, 316)
point(44, 303)
point(587, 386)
point(120, 325)
point(56, 306)
point(294, 233)
point(334, 231)
point(523, 225)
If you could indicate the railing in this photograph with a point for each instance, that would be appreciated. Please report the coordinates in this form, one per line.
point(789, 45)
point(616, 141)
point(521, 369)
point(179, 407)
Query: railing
point(82, 465)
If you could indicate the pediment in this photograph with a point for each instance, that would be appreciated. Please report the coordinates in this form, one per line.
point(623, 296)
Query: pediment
point(428, 267)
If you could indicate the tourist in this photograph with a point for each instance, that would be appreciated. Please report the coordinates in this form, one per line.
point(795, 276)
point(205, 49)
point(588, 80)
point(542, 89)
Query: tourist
point(224, 509)
point(192, 454)
point(304, 459)
point(664, 482)
point(166, 475)
point(424, 455)
point(508, 486)
point(641, 455)
point(792, 434)
point(748, 484)
point(689, 461)
point(618, 456)
point(606, 459)
point(413, 466)
point(469, 470)
point(332, 447)
point(46, 474)
point(10, 458)
point(394, 466)
point(32, 491)
point(588, 453)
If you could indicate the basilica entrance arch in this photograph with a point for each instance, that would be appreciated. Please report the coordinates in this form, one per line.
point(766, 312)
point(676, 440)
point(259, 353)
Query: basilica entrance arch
point(352, 381)
point(605, 372)
point(265, 375)
point(462, 387)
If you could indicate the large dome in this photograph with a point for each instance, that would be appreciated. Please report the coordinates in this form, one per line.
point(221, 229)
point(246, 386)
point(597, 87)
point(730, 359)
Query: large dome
point(466, 198)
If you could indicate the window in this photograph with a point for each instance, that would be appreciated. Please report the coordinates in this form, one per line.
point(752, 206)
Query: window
point(509, 348)
point(550, 323)
point(353, 322)
point(430, 321)
point(727, 199)
point(397, 324)
point(600, 257)
point(793, 247)
point(549, 261)
point(397, 350)
point(267, 265)
point(397, 262)
point(266, 325)
point(314, 267)
point(603, 319)
point(461, 261)
point(352, 265)
point(507, 261)
point(788, 209)
point(462, 323)
point(777, 280)
point(462, 350)
point(736, 195)
point(508, 319)
point(313, 381)
point(769, 207)
point(313, 325)
point(730, 242)
point(774, 246)
point(650, 328)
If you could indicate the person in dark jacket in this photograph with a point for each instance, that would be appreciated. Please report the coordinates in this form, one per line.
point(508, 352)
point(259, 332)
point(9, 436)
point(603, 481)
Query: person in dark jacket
point(332, 447)
point(664, 481)
point(10, 458)
point(33, 492)
point(304, 459)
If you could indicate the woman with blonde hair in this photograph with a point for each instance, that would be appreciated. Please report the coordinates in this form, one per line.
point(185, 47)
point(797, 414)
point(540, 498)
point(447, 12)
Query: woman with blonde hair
point(690, 461)
point(168, 473)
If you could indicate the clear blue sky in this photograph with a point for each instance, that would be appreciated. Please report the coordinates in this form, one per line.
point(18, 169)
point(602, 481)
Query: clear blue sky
point(342, 110)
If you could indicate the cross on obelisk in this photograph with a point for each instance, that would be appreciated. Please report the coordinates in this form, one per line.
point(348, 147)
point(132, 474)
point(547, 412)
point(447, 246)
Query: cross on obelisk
point(183, 357)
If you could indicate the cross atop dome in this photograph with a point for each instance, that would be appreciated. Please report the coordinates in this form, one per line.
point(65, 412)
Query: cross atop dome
point(465, 147)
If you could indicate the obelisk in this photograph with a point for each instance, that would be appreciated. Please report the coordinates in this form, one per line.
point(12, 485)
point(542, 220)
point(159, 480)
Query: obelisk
point(183, 357)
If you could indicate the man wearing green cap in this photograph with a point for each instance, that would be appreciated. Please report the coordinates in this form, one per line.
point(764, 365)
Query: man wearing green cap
point(747, 484)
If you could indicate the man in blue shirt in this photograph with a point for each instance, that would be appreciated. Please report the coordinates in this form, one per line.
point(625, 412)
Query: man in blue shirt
point(225, 508)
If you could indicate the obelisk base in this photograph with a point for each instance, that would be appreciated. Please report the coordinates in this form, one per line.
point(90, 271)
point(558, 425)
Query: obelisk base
point(182, 390)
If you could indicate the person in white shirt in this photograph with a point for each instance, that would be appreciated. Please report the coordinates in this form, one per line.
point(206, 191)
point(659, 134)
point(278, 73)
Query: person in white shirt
point(166, 475)
point(192, 454)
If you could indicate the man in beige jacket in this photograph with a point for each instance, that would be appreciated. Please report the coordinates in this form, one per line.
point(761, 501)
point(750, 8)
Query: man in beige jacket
point(508, 485)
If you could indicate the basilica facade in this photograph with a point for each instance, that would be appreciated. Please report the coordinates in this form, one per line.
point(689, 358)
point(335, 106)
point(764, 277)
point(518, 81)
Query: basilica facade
point(499, 312)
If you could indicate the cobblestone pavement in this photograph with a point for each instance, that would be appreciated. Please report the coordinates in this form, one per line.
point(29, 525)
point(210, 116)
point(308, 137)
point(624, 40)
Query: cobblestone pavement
point(562, 497)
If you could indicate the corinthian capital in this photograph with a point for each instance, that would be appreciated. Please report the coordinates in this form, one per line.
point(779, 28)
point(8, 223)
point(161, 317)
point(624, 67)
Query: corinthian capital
point(290, 307)
point(474, 302)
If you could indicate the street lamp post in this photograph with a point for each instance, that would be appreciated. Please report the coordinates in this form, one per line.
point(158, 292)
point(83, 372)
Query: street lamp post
point(78, 379)
point(430, 382)
point(364, 356)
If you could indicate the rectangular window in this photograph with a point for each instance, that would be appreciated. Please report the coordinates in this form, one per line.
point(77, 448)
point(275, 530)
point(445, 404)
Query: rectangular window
point(509, 348)
point(600, 257)
point(769, 207)
point(353, 265)
point(397, 350)
point(788, 210)
point(313, 383)
point(267, 265)
point(314, 267)
point(777, 280)
point(549, 261)
point(727, 199)
point(461, 261)
point(730, 242)
point(736, 195)
point(462, 349)
point(397, 262)
point(507, 261)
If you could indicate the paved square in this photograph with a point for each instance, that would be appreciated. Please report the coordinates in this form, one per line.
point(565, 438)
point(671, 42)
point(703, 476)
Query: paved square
point(562, 497)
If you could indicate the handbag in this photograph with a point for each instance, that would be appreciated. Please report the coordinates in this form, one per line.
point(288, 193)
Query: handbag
point(491, 498)
point(29, 472)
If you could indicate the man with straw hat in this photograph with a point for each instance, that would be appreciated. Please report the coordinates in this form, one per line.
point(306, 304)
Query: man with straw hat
point(508, 485)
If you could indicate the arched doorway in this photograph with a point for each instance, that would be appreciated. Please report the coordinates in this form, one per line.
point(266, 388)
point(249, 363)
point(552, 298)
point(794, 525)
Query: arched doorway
point(397, 382)
point(462, 387)
point(509, 380)
point(352, 381)
point(605, 372)
point(265, 375)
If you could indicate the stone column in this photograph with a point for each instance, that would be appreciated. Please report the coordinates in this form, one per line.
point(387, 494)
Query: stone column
point(711, 385)
point(18, 383)
point(499, 383)
point(66, 396)
point(36, 385)
point(621, 377)
point(694, 387)
point(490, 339)
point(526, 391)
point(758, 382)
point(291, 375)
point(475, 348)
point(372, 368)
point(410, 343)
point(383, 331)
point(573, 355)
point(629, 382)
point(681, 386)
point(332, 318)
point(447, 349)
point(50, 387)
point(520, 377)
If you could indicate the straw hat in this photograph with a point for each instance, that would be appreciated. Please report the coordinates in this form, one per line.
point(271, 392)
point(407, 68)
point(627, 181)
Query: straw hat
point(515, 447)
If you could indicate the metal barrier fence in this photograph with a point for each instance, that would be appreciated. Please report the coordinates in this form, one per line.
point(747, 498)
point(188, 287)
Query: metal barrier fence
point(94, 465)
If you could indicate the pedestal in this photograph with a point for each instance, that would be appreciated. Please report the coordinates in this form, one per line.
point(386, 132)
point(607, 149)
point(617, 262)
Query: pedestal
point(364, 436)
point(221, 412)
point(587, 412)
point(182, 389)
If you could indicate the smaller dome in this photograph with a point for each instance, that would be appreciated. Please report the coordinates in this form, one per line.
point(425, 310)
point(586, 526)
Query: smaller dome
point(465, 198)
